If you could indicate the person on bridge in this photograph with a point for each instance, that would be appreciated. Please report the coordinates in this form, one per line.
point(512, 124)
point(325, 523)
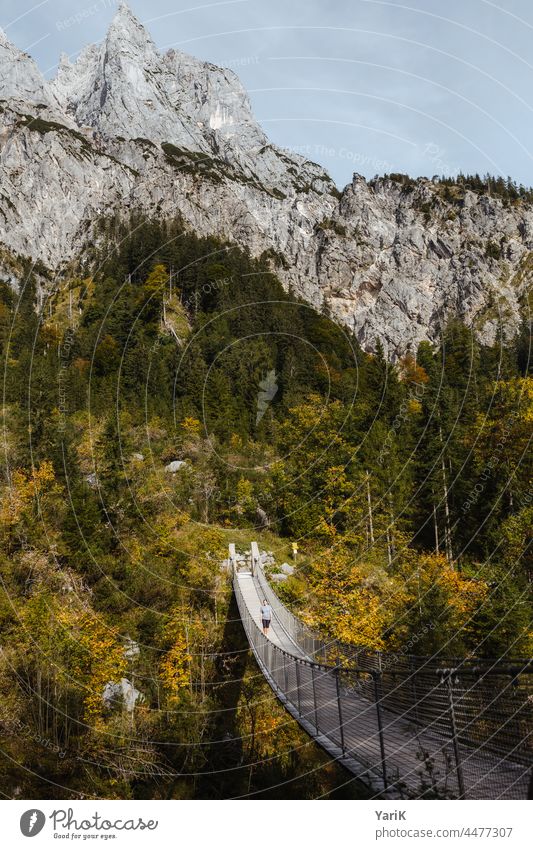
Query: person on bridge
point(266, 616)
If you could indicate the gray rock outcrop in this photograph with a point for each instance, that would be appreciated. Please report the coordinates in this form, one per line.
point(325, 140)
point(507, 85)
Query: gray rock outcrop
point(127, 128)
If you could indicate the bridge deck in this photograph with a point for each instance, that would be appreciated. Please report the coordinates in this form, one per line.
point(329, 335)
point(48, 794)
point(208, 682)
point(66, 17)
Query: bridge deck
point(251, 592)
point(420, 761)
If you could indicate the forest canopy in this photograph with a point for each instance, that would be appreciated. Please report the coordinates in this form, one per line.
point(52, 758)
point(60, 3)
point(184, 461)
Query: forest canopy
point(168, 397)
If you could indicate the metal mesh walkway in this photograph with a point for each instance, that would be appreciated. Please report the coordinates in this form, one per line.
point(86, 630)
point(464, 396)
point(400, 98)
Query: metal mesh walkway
point(407, 726)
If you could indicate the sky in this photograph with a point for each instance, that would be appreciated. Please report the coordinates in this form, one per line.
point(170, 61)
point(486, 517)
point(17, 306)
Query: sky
point(368, 86)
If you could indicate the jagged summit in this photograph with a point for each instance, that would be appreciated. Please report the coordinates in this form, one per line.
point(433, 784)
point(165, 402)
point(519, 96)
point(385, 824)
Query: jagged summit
point(127, 27)
point(21, 80)
point(124, 10)
point(126, 88)
point(127, 128)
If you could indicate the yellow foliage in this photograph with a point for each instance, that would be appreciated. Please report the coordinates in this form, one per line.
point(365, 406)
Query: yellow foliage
point(174, 669)
point(518, 395)
point(75, 644)
point(235, 442)
point(363, 604)
point(353, 601)
point(414, 407)
point(412, 373)
point(363, 621)
point(24, 488)
point(98, 655)
point(464, 594)
point(191, 427)
point(244, 494)
point(156, 280)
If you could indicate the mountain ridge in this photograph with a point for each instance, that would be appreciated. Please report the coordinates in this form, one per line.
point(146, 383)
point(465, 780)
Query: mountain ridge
point(126, 128)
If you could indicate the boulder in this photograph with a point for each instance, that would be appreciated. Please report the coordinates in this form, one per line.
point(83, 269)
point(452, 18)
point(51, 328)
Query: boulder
point(175, 466)
point(266, 558)
point(131, 648)
point(122, 690)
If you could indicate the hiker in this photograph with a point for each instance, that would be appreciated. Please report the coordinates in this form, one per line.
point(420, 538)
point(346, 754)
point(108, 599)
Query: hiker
point(266, 616)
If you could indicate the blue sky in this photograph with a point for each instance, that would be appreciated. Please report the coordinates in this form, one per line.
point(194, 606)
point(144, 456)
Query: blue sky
point(371, 86)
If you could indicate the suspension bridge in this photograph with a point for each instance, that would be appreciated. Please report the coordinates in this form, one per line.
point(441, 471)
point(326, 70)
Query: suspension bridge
point(407, 726)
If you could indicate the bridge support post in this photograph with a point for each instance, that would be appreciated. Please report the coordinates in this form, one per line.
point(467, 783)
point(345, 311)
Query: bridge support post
point(254, 557)
point(232, 557)
point(376, 675)
point(298, 687)
point(456, 751)
point(339, 708)
point(314, 696)
point(413, 673)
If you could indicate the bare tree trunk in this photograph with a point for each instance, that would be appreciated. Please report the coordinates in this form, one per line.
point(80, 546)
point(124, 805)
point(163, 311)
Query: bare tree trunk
point(370, 521)
point(447, 528)
point(436, 528)
point(55, 709)
point(389, 548)
point(132, 712)
point(190, 662)
point(39, 700)
point(390, 532)
point(66, 725)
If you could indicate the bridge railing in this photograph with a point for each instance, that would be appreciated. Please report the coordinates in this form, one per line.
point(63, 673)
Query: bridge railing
point(469, 710)
point(492, 699)
point(314, 693)
point(310, 642)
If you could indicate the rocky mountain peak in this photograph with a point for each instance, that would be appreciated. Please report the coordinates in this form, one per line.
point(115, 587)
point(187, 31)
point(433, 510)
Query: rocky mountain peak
point(127, 32)
point(21, 81)
point(108, 85)
point(125, 88)
point(131, 129)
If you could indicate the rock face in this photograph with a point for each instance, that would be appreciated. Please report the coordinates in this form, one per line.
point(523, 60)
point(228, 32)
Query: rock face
point(121, 692)
point(128, 128)
point(22, 83)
